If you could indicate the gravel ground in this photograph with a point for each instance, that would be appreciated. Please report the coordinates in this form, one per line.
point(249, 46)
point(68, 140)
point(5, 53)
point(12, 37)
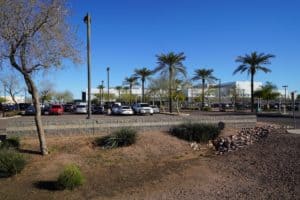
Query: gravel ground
point(266, 170)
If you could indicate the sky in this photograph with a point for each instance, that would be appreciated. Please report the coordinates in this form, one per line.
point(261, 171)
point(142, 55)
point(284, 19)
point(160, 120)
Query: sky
point(128, 34)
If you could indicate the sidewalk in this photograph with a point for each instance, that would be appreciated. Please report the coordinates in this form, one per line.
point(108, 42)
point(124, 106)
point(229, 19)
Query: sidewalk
point(294, 131)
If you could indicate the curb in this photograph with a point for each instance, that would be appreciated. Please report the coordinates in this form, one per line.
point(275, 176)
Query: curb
point(3, 118)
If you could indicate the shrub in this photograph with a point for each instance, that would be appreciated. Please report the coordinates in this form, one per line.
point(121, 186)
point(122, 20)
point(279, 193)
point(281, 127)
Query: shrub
point(221, 125)
point(195, 132)
point(119, 138)
point(70, 178)
point(11, 113)
point(207, 109)
point(13, 142)
point(11, 162)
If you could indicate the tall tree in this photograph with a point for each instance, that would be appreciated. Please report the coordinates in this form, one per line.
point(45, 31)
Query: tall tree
point(253, 63)
point(119, 88)
point(143, 74)
point(63, 97)
point(158, 87)
point(204, 75)
point(131, 81)
point(171, 64)
point(267, 92)
point(35, 36)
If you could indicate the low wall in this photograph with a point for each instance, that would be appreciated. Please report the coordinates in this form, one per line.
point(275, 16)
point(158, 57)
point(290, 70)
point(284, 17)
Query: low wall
point(104, 126)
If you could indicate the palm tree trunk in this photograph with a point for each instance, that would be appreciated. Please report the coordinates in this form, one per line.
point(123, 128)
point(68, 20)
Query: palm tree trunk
point(35, 98)
point(170, 90)
point(119, 94)
point(143, 90)
point(203, 82)
point(130, 92)
point(252, 97)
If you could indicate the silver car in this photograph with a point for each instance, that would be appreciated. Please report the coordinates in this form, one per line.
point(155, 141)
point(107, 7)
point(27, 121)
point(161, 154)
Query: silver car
point(125, 110)
point(81, 109)
point(155, 108)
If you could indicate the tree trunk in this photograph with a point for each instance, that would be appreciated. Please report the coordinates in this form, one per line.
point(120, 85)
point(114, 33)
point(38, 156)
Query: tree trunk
point(143, 90)
point(170, 90)
point(252, 97)
point(203, 83)
point(38, 121)
point(130, 92)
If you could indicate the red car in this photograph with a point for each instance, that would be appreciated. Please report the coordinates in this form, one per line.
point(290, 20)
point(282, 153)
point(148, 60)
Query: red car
point(56, 110)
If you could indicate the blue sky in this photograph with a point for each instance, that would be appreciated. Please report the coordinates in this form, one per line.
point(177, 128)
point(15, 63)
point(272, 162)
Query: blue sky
point(127, 34)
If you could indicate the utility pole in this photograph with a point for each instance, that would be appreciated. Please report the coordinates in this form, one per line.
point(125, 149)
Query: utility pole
point(107, 69)
point(87, 20)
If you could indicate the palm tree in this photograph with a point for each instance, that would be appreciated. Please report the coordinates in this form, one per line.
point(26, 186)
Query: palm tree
point(143, 74)
point(131, 81)
point(267, 92)
point(119, 88)
point(204, 75)
point(100, 88)
point(253, 63)
point(171, 64)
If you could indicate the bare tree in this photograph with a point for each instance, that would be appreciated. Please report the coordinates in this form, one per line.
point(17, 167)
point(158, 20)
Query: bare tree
point(46, 91)
point(12, 86)
point(35, 36)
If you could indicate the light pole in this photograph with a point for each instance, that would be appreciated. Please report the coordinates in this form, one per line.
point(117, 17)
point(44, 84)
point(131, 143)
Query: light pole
point(107, 69)
point(293, 102)
point(87, 20)
point(284, 108)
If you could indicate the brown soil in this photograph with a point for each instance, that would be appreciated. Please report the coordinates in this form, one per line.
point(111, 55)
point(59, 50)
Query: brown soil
point(159, 166)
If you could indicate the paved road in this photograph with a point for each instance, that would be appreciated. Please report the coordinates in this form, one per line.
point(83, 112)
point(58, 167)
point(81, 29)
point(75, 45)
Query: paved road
point(280, 120)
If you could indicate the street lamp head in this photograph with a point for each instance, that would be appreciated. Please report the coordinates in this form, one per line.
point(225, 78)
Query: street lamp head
point(107, 69)
point(87, 18)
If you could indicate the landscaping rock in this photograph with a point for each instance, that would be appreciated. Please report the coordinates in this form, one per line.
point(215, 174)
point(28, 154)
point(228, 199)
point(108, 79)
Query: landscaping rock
point(244, 137)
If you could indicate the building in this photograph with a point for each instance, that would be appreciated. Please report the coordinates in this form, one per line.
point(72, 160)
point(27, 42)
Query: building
point(240, 88)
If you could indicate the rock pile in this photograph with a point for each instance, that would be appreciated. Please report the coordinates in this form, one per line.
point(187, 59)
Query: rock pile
point(244, 137)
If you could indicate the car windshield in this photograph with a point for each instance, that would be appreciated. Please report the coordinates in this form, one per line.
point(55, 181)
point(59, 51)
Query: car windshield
point(56, 106)
point(80, 106)
point(144, 105)
point(125, 107)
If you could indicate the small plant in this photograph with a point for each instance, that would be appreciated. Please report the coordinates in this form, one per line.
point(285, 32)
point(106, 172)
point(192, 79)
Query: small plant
point(119, 138)
point(221, 125)
point(70, 178)
point(207, 108)
point(11, 162)
point(13, 142)
point(195, 132)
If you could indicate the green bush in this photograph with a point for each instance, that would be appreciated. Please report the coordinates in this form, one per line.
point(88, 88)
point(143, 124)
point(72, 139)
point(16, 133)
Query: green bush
point(70, 178)
point(206, 109)
point(13, 142)
point(11, 162)
point(11, 113)
point(119, 138)
point(195, 132)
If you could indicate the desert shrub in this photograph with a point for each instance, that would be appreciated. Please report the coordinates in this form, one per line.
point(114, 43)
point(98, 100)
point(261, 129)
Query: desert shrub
point(12, 142)
point(207, 109)
point(11, 113)
point(11, 162)
point(119, 138)
point(195, 132)
point(221, 125)
point(70, 178)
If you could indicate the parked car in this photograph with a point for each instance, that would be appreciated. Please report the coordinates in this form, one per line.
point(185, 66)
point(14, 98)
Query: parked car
point(142, 108)
point(115, 109)
point(30, 110)
point(125, 110)
point(155, 108)
point(68, 107)
point(97, 110)
point(81, 109)
point(56, 110)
